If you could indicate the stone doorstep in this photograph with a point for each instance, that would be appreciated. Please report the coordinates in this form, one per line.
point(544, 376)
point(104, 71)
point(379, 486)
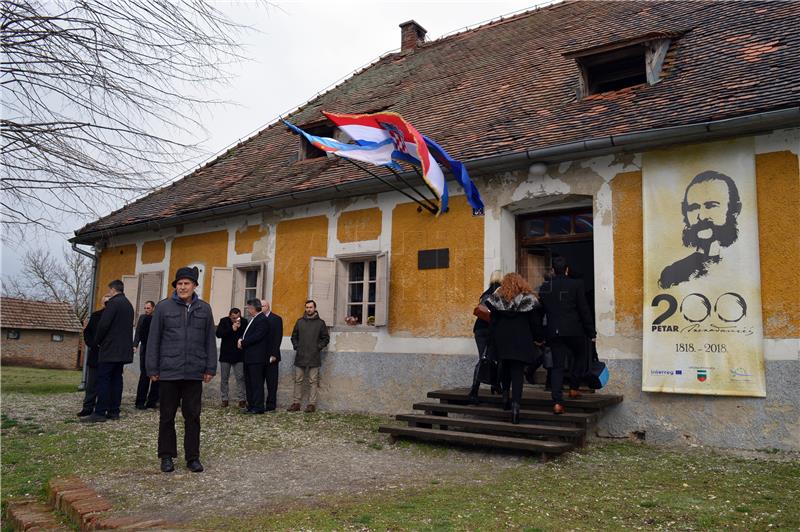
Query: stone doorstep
point(30, 514)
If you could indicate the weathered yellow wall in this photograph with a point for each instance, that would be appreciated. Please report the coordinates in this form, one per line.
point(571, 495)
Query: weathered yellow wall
point(354, 226)
point(778, 189)
point(435, 302)
point(113, 263)
point(247, 237)
point(153, 251)
point(626, 201)
point(296, 241)
point(209, 249)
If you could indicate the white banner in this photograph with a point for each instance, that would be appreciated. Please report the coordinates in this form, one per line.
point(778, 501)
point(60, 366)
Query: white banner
point(702, 284)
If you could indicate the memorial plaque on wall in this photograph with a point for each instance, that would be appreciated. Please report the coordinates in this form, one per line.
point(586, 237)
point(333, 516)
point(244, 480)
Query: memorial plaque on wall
point(702, 288)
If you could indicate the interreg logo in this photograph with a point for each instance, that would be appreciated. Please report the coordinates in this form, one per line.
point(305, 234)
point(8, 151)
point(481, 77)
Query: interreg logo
point(740, 373)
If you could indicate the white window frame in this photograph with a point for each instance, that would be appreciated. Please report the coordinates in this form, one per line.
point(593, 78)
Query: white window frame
point(240, 279)
point(341, 281)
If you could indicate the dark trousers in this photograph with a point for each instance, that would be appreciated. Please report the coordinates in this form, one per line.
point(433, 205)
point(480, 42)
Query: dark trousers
point(271, 374)
point(90, 389)
point(109, 388)
point(189, 395)
point(513, 374)
point(255, 374)
point(146, 391)
point(564, 347)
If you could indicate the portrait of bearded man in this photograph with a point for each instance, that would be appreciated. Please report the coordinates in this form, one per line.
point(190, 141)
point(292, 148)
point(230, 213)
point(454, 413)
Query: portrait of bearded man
point(710, 207)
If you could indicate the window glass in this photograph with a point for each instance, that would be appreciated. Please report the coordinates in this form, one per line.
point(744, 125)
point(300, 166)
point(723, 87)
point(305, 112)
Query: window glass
point(584, 223)
point(356, 292)
point(372, 269)
point(12, 334)
point(534, 227)
point(560, 225)
point(57, 337)
point(356, 311)
point(251, 279)
point(356, 271)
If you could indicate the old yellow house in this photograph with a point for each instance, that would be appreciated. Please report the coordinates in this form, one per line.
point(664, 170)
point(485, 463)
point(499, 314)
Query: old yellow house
point(568, 117)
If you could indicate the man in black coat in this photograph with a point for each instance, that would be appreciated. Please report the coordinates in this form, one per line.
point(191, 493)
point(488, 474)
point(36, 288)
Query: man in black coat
point(274, 336)
point(146, 391)
point(569, 324)
point(90, 386)
point(181, 355)
point(230, 330)
point(115, 343)
point(254, 344)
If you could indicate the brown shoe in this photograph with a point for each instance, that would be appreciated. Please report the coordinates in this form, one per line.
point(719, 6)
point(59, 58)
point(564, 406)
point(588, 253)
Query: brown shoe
point(574, 394)
point(558, 409)
point(310, 409)
point(242, 404)
point(294, 408)
point(224, 404)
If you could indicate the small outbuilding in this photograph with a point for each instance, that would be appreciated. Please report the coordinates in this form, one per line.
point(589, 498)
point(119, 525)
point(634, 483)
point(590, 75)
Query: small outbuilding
point(40, 334)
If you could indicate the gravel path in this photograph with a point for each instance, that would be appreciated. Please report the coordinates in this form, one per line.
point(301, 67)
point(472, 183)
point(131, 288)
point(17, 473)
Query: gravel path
point(254, 464)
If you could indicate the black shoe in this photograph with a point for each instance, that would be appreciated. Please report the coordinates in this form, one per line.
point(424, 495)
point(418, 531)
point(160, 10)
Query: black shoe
point(166, 464)
point(140, 407)
point(254, 412)
point(194, 466)
point(84, 413)
point(112, 417)
point(154, 406)
point(94, 418)
point(515, 413)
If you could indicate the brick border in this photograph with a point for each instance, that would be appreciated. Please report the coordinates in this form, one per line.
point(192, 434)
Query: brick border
point(80, 503)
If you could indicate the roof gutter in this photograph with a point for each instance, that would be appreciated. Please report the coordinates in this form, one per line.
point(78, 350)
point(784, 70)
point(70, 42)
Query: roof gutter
point(661, 137)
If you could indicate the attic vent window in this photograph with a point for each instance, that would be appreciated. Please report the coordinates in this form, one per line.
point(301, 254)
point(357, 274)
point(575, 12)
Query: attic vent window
point(307, 150)
point(620, 65)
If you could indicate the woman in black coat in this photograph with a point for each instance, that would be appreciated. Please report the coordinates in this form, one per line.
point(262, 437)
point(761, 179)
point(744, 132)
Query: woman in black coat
point(515, 328)
point(481, 332)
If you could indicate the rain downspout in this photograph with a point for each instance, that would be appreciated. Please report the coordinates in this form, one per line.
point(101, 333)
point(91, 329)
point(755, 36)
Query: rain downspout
point(93, 258)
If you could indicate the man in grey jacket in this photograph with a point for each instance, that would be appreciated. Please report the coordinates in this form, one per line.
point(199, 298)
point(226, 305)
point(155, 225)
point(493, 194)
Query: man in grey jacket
point(309, 337)
point(181, 355)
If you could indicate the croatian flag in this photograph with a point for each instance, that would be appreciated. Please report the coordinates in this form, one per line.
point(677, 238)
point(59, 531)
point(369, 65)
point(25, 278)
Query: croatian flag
point(408, 144)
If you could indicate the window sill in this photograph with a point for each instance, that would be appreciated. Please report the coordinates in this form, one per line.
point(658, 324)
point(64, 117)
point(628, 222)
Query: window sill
point(356, 328)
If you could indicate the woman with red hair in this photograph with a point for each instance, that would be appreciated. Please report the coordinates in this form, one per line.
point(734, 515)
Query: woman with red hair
point(515, 325)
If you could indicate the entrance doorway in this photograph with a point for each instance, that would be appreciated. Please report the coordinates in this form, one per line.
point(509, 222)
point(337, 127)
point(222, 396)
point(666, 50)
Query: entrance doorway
point(541, 236)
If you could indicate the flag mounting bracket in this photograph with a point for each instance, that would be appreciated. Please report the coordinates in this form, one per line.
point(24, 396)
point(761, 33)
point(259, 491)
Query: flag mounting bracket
point(422, 201)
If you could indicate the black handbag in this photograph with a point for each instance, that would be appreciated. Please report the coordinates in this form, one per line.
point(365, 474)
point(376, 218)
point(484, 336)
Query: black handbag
point(488, 369)
point(596, 375)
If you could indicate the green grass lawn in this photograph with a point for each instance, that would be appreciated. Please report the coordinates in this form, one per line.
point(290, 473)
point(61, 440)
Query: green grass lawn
point(606, 486)
point(39, 381)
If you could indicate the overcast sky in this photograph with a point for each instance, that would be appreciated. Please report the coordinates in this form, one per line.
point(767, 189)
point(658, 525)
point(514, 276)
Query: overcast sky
point(298, 50)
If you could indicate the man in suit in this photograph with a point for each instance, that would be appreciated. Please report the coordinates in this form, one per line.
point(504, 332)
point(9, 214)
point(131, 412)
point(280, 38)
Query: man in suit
point(230, 330)
point(275, 336)
point(90, 388)
point(569, 324)
point(254, 344)
point(146, 391)
point(115, 340)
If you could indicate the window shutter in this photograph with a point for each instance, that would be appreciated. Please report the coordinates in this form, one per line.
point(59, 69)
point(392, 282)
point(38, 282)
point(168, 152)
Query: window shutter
point(382, 289)
point(221, 292)
point(322, 286)
point(149, 289)
point(131, 283)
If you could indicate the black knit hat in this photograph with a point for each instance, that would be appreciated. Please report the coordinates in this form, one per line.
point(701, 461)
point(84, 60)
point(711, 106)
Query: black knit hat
point(186, 273)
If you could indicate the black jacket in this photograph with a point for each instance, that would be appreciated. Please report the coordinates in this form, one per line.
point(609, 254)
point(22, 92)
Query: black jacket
point(115, 331)
point(88, 337)
point(255, 341)
point(228, 350)
point(181, 345)
point(566, 308)
point(142, 332)
point(481, 327)
point(515, 326)
point(274, 336)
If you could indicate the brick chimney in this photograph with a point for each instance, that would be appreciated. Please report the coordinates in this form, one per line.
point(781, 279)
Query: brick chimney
point(411, 35)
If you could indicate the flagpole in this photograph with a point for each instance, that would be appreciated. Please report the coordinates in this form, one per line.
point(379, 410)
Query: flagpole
point(425, 182)
point(409, 185)
point(398, 189)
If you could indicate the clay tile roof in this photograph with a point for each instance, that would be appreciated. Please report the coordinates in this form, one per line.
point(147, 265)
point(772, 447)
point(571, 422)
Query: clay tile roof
point(29, 314)
point(506, 86)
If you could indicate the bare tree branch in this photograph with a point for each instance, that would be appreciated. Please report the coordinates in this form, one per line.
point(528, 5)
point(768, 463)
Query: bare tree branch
point(89, 89)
